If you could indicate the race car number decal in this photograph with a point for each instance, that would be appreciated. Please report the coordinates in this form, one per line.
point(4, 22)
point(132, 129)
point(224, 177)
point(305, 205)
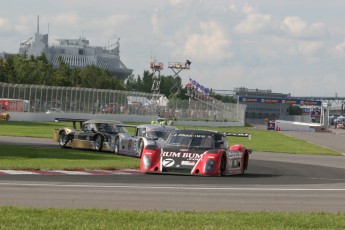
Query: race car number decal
point(168, 162)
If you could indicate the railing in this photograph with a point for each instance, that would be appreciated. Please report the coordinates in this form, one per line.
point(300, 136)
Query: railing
point(41, 99)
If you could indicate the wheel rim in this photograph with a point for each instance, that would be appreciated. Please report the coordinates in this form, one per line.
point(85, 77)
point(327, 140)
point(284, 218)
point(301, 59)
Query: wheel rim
point(62, 139)
point(116, 149)
point(98, 143)
point(141, 147)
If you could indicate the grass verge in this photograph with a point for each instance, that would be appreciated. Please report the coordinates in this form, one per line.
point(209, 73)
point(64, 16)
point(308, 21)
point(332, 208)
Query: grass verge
point(36, 218)
point(21, 158)
point(261, 140)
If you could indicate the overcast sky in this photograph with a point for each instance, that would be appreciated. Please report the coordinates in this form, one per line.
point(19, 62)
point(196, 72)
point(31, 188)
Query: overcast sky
point(292, 46)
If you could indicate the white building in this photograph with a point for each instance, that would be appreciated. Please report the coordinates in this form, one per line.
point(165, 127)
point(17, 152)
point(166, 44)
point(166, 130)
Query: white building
point(76, 53)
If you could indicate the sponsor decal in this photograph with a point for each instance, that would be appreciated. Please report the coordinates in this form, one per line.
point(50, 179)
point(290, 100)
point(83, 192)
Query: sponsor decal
point(280, 101)
point(189, 135)
point(188, 155)
point(171, 154)
point(168, 162)
point(189, 163)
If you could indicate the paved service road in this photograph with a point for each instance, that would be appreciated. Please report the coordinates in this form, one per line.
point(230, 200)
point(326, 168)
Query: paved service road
point(334, 140)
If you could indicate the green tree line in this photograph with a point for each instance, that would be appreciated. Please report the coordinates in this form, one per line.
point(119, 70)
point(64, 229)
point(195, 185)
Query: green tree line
point(38, 71)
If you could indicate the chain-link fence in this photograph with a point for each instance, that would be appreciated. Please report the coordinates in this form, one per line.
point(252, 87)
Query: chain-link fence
point(54, 99)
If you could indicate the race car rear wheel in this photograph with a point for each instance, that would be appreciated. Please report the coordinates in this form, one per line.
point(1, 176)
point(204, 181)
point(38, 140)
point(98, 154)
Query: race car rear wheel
point(245, 162)
point(117, 146)
point(222, 165)
point(98, 143)
point(63, 139)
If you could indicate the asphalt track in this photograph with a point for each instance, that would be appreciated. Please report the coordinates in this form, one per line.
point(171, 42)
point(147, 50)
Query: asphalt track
point(273, 182)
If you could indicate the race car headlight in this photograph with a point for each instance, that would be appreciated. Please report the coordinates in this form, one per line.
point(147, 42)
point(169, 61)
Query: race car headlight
point(147, 161)
point(209, 165)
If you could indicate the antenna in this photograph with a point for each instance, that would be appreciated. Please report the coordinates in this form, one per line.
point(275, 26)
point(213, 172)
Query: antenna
point(156, 67)
point(48, 33)
point(38, 24)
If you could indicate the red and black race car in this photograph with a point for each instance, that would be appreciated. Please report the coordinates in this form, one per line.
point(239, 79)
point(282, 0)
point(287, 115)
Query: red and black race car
point(196, 152)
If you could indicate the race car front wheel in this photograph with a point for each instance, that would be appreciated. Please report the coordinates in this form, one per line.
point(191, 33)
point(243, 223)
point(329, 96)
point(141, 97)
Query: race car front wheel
point(98, 143)
point(63, 139)
point(117, 146)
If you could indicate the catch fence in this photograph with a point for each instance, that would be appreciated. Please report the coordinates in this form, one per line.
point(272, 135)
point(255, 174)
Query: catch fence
point(49, 99)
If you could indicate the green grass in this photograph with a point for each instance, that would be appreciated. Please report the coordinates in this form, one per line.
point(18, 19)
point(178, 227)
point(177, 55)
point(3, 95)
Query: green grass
point(271, 141)
point(24, 157)
point(261, 140)
point(30, 129)
point(21, 158)
point(35, 218)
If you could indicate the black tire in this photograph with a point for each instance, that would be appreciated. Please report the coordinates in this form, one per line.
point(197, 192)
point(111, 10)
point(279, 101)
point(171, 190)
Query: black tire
point(63, 139)
point(117, 146)
point(222, 165)
point(245, 162)
point(140, 147)
point(98, 143)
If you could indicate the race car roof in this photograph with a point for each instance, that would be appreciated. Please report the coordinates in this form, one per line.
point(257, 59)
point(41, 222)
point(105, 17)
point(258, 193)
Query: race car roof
point(152, 127)
point(197, 131)
point(103, 121)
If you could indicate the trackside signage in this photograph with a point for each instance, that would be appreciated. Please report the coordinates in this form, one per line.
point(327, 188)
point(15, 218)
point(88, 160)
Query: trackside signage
point(279, 101)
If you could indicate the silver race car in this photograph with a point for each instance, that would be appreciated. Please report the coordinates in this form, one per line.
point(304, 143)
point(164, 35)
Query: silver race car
point(145, 135)
point(95, 134)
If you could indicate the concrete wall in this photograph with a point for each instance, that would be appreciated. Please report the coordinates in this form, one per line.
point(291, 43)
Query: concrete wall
point(43, 117)
point(281, 125)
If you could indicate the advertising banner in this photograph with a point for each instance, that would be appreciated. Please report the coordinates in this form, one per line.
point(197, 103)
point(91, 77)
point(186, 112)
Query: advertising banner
point(279, 101)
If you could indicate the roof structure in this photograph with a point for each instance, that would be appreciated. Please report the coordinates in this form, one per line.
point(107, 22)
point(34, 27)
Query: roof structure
point(76, 53)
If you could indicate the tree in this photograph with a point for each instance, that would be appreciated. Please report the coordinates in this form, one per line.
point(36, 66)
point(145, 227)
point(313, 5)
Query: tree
point(3, 70)
point(61, 76)
point(294, 110)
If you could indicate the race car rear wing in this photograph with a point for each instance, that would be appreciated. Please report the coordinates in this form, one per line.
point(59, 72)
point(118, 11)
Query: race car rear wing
point(239, 135)
point(73, 120)
point(125, 125)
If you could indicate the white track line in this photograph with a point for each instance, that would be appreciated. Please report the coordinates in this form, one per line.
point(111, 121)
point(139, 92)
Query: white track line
point(172, 187)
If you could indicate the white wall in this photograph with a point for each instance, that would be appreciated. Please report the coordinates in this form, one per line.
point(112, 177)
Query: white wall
point(281, 125)
point(40, 117)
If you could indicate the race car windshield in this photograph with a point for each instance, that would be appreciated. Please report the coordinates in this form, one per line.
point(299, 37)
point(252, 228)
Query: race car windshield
point(191, 141)
point(202, 142)
point(157, 134)
point(110, 128)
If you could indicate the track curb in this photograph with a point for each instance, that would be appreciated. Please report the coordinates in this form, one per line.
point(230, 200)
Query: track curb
point(71, 172)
